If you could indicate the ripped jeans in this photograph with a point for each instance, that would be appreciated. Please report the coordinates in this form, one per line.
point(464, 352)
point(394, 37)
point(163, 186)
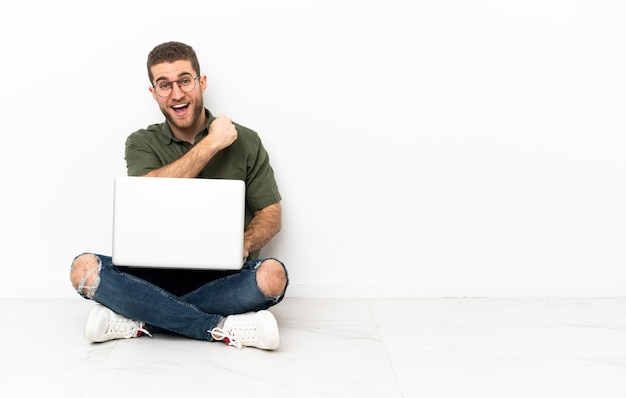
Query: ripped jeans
point(191, 314)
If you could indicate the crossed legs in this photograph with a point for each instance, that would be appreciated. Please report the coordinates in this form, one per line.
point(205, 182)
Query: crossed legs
point(260, 284)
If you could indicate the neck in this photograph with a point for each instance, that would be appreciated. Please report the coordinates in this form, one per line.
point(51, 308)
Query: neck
point(189, 133)
point(185, 135)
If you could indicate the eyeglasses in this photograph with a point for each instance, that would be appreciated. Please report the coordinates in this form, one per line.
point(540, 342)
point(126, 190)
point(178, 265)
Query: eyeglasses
point(186, 84)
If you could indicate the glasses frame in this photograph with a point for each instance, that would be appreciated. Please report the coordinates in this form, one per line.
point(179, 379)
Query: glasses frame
point(179, 86)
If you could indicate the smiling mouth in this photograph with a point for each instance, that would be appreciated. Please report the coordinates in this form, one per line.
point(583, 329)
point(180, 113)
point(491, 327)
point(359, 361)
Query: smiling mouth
point(180, 109)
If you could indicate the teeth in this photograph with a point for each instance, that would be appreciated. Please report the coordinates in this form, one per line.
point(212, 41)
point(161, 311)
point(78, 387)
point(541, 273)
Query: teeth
point(179, 106)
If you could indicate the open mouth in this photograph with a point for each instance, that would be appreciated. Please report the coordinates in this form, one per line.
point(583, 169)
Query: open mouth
point(180, 109)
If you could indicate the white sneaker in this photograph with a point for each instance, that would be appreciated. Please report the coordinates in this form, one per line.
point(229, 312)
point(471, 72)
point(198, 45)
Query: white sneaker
point(104, 324)
point(252, 329)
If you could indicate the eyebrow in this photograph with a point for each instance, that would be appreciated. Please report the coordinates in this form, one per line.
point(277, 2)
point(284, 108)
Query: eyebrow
point(179, 77)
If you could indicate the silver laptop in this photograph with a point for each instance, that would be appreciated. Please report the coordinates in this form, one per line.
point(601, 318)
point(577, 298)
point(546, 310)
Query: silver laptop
point(188, 223)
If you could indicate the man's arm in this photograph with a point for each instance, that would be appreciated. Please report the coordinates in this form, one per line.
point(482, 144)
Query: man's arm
point(222, 133)
point(262, 228)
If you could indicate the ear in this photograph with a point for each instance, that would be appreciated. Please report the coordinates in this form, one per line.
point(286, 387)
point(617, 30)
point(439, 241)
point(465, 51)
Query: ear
point(203, 83)
point(153, 91)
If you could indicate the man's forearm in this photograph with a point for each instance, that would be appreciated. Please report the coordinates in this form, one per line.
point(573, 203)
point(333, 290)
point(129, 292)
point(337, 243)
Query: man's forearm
point(263, 227)
point(222, 133)
point(187, 166)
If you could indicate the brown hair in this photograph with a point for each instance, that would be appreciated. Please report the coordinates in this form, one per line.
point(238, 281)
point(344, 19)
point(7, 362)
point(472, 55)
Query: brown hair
point(170, 52)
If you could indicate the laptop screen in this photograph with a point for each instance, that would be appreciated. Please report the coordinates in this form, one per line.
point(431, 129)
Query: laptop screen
point(188, 223)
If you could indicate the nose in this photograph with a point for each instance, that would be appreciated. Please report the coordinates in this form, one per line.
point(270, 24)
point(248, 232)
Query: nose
point(177, 92)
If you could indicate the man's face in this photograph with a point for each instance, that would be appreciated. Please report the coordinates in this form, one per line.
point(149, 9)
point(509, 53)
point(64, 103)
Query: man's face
point(183, 110)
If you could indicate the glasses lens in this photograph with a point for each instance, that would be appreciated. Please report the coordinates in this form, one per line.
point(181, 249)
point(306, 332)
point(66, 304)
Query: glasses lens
point(163, 89)
point(187, 84)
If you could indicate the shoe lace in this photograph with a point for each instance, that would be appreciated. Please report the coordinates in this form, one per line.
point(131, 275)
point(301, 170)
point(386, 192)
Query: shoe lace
point(125, 327)
point(238, 336)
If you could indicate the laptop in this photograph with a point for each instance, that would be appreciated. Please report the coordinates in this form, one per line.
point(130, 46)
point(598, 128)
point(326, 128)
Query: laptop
point(184, 223)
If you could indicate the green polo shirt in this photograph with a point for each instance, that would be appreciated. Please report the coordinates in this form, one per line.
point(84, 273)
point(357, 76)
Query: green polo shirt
point(245, 159)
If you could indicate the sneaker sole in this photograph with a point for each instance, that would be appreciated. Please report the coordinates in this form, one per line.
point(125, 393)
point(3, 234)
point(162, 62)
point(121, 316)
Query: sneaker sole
point(91, 323)
point(268, 320)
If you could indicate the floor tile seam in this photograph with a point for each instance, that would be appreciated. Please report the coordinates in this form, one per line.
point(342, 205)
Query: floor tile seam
point(389, 359)
point(570, 358)
point(619, 326)
point(99, 368)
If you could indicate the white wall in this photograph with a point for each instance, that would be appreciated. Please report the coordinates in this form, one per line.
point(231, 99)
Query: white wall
point(423, 148)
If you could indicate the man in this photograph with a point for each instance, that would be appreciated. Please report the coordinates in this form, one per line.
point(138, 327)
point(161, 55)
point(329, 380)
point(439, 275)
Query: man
point(227, 306)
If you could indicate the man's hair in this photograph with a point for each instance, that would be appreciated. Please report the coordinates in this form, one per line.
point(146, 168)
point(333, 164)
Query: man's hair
point(170, 52)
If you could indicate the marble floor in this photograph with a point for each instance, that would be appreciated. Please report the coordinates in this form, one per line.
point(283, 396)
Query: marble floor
point(474, 347)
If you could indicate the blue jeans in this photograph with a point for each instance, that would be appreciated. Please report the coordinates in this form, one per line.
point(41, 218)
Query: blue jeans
point(191, 314)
